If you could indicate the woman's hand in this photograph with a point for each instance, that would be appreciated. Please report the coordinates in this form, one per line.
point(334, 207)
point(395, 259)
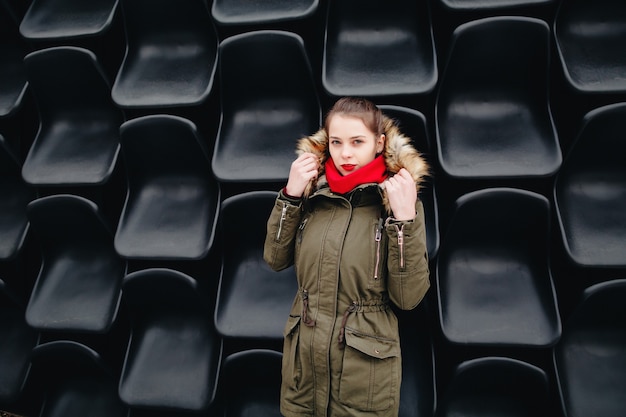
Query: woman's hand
point(303, 170)
point(402, 195)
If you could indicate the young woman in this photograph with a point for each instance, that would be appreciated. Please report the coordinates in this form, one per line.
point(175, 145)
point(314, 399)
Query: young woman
point(351, 222)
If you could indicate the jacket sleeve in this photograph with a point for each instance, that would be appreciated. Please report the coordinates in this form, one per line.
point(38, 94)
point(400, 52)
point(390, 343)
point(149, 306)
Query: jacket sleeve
point(407, 260)
point(282, 225)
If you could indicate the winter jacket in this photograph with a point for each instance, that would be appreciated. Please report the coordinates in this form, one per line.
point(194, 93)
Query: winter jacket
point(341, 352)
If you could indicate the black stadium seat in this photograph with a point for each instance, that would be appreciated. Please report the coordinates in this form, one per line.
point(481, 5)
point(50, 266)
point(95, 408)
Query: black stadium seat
point(253, 302)
point(173, 355)
point(172, 199)
point(494, 282)
point(15, 197)
point(496, 386)
point(249, 384)
point(78, 288)
point(590, 39)
point(75, 381)
point(66, 19)
point(590, 191)
point(243, 12)
point(373, 49)
point(493, 116)
point(18, 339)
point(589, 360)
point(171, 54)
point(78, 138)
point(13, 82)
point(268, 101)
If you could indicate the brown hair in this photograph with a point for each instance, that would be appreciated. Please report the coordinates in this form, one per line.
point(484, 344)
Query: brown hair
point(361, 108)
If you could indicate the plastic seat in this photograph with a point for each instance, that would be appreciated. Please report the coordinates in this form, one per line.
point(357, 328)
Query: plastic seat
point(249, 384)
point(173, 355)
point(18, 339)
point(78, 288)
point(494, 282)
point(172, 201)
point(493, 118)
point(253, 302)
point(370, 50)
point(78, 138)
point(589, 360)
point(66, 19)
point(590, 191)
point(15, 197)
point(418, 391)
point(13, 82)
point(496, 387)
point(473, 5)
point(238, 12)
point(171, 54)
point(413, 124)
point(590, 41)
point(75, 381)
point(268, 102)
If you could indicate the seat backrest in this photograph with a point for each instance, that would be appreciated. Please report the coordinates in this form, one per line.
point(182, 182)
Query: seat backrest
point(163, 23)
point(173, 356)
point(66, 19)
point(589, 359)
point(268, 101)
point(375, 49)
point(250, 383)
point(240, 312)
point(500, 58)
point(69, 226)
point(590, 191)
point(493, 272)
point(172, 199)
point(496, 386)
point(70, 86)
point(76, 381)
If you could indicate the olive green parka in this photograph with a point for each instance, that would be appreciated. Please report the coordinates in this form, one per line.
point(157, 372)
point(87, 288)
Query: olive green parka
point(341, 353)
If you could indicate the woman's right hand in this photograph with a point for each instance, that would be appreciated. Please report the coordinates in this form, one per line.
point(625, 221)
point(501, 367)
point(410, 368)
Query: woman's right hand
point(303, 170)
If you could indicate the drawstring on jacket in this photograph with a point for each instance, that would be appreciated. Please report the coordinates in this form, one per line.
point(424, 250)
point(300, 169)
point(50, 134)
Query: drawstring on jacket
point(351, 309)
point(305, 308)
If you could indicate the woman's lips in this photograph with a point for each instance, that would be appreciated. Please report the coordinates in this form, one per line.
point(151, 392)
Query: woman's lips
point(348, 167)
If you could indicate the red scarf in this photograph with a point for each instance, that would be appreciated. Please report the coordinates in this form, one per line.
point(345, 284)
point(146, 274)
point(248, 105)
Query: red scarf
point(374, 172)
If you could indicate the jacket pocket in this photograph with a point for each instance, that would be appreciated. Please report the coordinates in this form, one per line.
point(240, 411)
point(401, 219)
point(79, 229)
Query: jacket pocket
point(296, 387)
point(370, 376)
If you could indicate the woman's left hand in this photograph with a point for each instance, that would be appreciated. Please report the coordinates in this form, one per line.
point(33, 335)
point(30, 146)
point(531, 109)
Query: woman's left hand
point(402, 195)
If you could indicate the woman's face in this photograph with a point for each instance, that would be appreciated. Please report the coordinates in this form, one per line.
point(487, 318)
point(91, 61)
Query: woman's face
point(351, 144)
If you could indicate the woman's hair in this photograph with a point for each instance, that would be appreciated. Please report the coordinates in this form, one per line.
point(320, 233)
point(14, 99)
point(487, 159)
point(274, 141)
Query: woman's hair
point(361, 108)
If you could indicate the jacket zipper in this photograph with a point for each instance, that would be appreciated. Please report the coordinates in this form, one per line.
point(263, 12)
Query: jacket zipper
point(301, 229)
point(401, 245)
point(283, 216)
point(377, 238)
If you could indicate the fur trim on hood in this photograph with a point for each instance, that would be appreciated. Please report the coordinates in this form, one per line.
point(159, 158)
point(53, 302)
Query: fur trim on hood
point(398, 153)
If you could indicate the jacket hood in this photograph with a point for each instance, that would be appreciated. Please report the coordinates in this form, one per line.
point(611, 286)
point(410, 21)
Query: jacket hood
point(398, 153)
